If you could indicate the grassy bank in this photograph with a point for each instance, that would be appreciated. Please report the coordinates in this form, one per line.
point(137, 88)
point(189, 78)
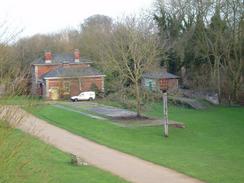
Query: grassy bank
point(26, 159)
point(20, 100)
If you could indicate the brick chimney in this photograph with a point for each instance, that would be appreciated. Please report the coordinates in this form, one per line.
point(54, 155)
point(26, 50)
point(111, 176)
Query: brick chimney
point(77, 55)
point(48, 57)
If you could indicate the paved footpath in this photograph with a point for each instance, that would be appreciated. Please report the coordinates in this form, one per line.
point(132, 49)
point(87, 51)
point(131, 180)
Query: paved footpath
point(126, 166)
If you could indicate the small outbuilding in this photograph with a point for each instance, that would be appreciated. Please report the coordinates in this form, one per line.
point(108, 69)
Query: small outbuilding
point(153, 81)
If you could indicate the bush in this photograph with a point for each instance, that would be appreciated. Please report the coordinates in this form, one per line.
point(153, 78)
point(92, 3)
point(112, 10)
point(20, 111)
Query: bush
point(98, 92)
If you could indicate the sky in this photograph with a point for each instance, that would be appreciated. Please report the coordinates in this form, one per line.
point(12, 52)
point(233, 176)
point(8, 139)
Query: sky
point(47, 16)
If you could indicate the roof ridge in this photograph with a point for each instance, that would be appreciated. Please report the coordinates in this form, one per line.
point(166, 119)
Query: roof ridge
point(158, 75)
point(72, 72)
point(59, 58)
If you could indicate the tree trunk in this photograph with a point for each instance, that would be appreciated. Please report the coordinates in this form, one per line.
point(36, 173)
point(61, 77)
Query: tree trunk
point(138, 102)
point(219, 85)
point(235, 89)
point(217, 74)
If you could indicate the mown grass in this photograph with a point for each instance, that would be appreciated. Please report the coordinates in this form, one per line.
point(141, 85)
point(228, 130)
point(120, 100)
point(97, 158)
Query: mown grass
point(20, 100)
point(209, 148)
point(26, 159)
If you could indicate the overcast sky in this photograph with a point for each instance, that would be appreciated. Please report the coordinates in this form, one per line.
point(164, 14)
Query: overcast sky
point(45, 16)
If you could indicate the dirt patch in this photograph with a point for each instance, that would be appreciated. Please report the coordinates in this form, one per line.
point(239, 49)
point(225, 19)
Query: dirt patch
point(132, 118)
point(144, 122)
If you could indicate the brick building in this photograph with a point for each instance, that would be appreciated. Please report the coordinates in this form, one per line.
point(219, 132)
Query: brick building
point(64, 75)
point(153, 81)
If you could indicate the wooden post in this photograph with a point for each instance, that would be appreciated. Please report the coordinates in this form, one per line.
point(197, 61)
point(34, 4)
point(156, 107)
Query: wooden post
point(164, 88)
point(165, 114)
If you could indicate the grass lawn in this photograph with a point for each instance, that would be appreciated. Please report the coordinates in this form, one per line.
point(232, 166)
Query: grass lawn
point(20, 100)
point(210, 148)
point(36, 162)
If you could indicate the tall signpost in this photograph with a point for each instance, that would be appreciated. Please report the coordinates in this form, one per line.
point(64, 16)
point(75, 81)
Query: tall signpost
point(164, 88)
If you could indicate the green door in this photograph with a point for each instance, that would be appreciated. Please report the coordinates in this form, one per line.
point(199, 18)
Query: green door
point(150, 85)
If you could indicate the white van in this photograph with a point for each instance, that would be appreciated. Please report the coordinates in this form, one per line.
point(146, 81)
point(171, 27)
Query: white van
point(89, 95)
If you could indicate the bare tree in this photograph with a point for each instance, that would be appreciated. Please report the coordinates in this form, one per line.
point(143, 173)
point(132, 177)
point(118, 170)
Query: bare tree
point(222, 44)
point(233, 46)
point(94, 29)
point(205, 35)
point(131, 49)
point(11, 75)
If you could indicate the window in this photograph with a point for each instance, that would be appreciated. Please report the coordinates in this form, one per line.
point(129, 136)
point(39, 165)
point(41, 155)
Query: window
point(66, 87)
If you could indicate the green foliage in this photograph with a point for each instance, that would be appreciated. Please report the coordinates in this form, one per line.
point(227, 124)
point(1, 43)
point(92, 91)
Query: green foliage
point(204, 35)
point(94, 88)
point(209, 148)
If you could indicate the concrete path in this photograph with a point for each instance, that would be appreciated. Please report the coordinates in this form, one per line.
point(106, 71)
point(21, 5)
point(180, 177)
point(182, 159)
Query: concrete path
point(100, 109)
point(113, 112)
point(126, 166)
point(78, 111)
